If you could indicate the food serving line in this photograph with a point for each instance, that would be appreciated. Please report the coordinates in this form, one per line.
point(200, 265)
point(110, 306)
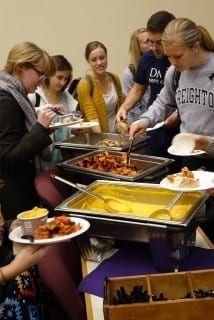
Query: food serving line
point(169, 240)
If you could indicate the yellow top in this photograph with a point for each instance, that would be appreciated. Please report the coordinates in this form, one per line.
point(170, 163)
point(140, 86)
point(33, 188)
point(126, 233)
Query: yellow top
point(92, 104)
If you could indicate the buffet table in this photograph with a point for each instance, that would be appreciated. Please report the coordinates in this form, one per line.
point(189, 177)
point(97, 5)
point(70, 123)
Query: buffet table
point(94, 304)
point(165, 244)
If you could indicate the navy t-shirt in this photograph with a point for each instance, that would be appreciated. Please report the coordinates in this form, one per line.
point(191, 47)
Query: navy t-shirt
point(151, 71)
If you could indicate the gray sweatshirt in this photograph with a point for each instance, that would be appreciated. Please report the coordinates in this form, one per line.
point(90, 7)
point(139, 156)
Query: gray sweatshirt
point(194, 98)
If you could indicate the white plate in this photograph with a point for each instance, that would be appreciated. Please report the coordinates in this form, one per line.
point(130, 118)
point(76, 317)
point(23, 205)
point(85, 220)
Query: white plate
point(84, 125)
point(157, 126)
point(205, 178)
point(56, 125)
point(16, 234)
point(172, 151)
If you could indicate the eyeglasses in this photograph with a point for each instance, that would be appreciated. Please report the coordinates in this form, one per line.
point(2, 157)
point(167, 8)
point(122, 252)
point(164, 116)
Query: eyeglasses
point(158, 43)
point(41, 74)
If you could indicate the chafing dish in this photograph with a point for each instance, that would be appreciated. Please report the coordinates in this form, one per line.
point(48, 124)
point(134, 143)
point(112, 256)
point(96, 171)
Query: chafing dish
point(147, 165)
point(91, 141)
point(168, 239)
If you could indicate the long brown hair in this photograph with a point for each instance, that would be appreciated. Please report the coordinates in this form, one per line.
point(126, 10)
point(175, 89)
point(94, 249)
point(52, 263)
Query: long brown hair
point(61, 64)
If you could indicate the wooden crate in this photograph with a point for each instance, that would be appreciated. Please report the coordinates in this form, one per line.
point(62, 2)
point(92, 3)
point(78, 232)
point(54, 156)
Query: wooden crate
point(174, 286)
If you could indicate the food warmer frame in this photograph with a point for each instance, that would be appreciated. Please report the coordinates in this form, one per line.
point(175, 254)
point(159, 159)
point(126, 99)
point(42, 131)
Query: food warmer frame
point(169, 241)
point(152, 168)
point(89, 141)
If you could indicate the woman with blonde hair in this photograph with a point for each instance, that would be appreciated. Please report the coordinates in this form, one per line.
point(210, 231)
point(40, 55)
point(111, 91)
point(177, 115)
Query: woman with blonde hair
point(190, 49)
point(24, 136)
point(139, 44)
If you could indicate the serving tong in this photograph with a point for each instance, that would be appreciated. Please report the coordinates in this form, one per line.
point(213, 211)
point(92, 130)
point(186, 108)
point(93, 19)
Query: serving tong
point(128, 159)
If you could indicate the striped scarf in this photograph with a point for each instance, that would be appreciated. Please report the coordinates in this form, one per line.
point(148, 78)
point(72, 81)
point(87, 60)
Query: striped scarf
point(15, 87)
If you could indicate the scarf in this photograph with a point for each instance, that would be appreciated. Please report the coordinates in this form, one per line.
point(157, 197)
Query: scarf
point(15, 87)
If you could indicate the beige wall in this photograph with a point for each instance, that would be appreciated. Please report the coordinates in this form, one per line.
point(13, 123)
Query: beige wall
point(65, 26)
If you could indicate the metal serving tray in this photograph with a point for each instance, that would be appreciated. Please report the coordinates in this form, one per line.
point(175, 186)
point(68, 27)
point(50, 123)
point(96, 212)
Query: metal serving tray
point(89, 141)
point(148, 165)
point(143, 198)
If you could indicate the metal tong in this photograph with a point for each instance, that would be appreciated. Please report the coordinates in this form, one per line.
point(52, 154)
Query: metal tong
point(60, 113)
point(128, 161)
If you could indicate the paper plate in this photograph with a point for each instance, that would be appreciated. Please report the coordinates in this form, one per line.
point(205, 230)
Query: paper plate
point(205, 178)
point(16, 234)
point(157, 126)
point(172, 151)
point(56, 125)
point(84, 125)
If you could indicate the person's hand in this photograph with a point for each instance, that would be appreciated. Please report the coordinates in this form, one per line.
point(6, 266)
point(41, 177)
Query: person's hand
point(172, 120)
point(26, 258)
point(46, 116)
point(137, 128)
point(58, 107)
point(121, 114)
point(201, 142)
point(210, 192)
point(14, 224)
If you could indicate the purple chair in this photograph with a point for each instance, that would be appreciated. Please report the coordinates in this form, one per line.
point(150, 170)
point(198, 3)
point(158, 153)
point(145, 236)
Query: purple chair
point(51, 192)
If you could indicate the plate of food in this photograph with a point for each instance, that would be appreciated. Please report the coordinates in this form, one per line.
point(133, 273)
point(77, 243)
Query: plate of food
point(157, 126)
point(189, 181)
point(83, 125)
point(57, 229)
point(171, 150)
point(60, 124)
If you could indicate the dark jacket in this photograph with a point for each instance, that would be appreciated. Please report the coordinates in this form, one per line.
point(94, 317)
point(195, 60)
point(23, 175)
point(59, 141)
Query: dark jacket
point(18, 147)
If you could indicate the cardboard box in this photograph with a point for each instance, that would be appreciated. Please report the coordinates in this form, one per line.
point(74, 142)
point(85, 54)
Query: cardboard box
point(178, 288)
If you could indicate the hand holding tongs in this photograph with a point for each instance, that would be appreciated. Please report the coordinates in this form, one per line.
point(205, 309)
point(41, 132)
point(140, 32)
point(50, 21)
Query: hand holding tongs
point(60, 113)
point(76, 114)
point(129, 152)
